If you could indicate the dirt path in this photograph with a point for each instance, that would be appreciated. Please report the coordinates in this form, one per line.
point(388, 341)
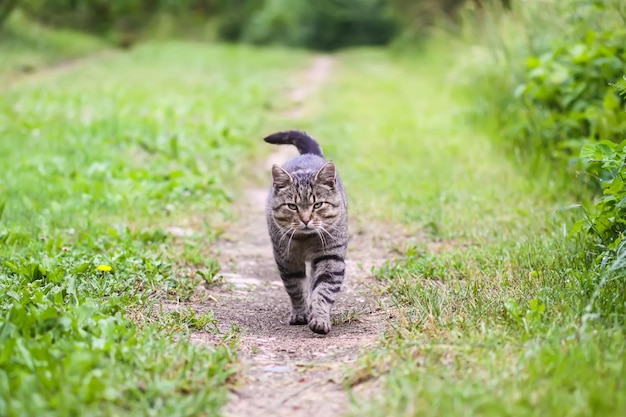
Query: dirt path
point(11, 79)
point(289, 370)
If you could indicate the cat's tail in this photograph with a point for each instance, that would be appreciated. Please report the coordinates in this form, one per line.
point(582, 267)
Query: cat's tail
point(302, 141)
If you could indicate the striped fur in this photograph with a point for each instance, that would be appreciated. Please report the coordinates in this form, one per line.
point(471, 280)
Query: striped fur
point(308, 222)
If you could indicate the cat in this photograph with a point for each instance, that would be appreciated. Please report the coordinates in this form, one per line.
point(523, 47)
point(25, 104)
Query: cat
point(308, 222)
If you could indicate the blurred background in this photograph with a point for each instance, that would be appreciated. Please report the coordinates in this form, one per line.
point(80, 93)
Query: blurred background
point(545, 75)
point(323, 24)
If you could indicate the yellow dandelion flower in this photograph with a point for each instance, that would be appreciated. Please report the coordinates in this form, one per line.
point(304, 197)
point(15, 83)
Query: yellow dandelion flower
point(104, 268)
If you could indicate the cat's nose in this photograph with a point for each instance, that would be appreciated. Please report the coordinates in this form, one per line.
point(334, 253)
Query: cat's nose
point(306, 221)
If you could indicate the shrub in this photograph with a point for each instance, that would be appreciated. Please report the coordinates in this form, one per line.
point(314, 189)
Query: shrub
point(605, 164)
point(549, 94)
point(544, 81)
point(324, 24)
point(125, 18)
point(604, 224)
point(419, 16)
point(605, 161)
point(6, 7)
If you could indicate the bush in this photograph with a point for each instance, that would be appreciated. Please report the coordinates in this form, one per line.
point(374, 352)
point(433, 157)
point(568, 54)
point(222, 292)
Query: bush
point(605, 223)
point(566, 95)
point(324, 24)
point(544, 81)
point(604, 163)
point(124, 19)
point(550, 94)
point(89, 15)
point(419, 16)
point(6, 7)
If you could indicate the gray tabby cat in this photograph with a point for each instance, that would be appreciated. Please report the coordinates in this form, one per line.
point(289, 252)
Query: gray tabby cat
point(308, 222)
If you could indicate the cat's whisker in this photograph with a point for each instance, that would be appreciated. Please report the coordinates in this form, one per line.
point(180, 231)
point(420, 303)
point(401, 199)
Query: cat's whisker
point(289, 242)
point(332, 238)
point(321, 236)
point(282, 237)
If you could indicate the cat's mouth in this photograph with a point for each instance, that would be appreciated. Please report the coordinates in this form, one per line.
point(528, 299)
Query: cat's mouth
point(306, 228)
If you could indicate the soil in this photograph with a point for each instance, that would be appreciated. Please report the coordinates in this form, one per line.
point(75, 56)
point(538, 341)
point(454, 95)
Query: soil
point(289, 370)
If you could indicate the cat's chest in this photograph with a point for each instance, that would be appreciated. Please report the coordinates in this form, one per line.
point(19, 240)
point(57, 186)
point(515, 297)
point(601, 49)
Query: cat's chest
point(307, 247)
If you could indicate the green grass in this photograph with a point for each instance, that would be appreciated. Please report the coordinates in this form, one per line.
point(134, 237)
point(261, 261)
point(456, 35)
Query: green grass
point(494, 311)
point(491, 296)
point(26, 46)
point(97, 162)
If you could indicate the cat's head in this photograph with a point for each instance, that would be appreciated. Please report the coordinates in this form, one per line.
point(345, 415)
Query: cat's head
point(306, 201)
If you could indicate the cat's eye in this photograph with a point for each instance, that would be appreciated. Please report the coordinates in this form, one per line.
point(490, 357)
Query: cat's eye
point(317, 205)
point(292, 207)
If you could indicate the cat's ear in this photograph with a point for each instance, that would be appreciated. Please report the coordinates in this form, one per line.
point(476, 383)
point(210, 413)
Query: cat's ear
point(281, 177)
point(327, 175)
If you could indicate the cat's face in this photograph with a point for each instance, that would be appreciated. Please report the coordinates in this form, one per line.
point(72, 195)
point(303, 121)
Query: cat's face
point(306, 202)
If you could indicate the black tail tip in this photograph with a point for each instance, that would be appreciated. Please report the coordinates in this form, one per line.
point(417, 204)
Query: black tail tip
point(300, 139)
point(284, 137)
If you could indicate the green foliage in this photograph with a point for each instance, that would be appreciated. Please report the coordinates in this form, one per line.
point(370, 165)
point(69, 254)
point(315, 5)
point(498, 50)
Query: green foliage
point(606, 163)
point(502, 339)
point(107, 165)
point(327, 24)
point(122, 21)
point(550, 94)
point(209, 274)
point(548, 88)
point(464, 377)
point(566, 96)
point(102, 16)
point(323, 24)
point(195, 321)
point(486, 303)
point(419, 17)
point(6, 7)
point(67, 341)
point(26, 45)
point(605, 223)
point(233, 16)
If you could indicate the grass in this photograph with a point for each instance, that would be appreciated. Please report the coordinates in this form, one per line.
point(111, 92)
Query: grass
point(100, 161)
point(491, 294)
point(126, 165)
point(26, 46)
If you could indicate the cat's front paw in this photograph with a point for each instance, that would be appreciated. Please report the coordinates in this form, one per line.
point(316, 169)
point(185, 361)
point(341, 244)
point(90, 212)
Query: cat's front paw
point(320, 325)
point(299, 317)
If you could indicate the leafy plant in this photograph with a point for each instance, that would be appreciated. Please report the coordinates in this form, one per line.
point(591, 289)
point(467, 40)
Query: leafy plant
point(604, 222)
point(605, 162)
point(566, 94)
point(6, 7)
point(547, 86)
point(210, 273)
point(195, 321)
point(88, 207)
point(324, 24)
